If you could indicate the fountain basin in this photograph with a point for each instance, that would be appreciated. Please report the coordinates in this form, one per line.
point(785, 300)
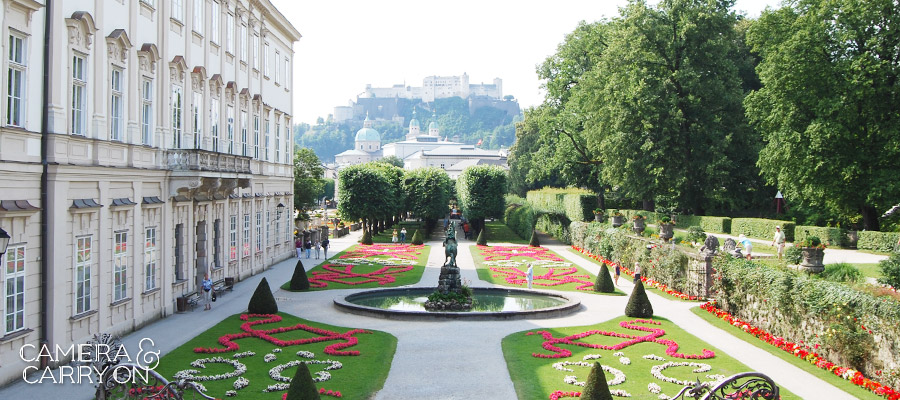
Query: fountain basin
point(495, 303)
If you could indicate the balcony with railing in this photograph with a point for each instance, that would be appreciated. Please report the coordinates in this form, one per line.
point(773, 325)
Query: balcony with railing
point(202, 160)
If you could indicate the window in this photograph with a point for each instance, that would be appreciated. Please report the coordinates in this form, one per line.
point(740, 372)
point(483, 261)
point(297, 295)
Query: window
point(198, 119)
point(198, 16)
point(277, 141)
point(268, 229)
point(83, 253)
point(266, 60)
point(147, 112)
point(15, 288)
point(120, 266)
point(287, 70)
point(115, 104)
point(217, 243)
point(229, 34)
point(258, 231)
point(215, 14)
point(177, 104)
point(244, 43)
point(16, 81)
point(256, 136)
point(277, 228)
point(179, 253)
point(79, 81)
point(150, 258)
point(178, 10)
point(230, 128)
point(214, 122)
point(244, 142)
point(266, 139)
point(246, 236)
point(232, 239)
point(277, 67)
point(254, 51)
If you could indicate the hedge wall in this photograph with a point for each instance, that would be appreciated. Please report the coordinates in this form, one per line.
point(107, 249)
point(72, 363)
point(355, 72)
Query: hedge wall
point(877, 241)
point(575, 204)
point(709, 224)
point(520, 219)
point(651, 216)
point(798, 307)
point(832, 237)
point(762, 228)
point(555, 225)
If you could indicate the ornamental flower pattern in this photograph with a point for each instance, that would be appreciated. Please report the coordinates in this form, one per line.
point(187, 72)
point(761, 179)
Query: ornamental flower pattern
point(401, 251)
point(495, 253)
point(192, 374)
point(320, 376)
point(558, 272)
point(343, 274)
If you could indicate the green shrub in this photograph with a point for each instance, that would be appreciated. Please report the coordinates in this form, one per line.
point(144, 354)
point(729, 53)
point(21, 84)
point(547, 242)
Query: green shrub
point(299, 281)
point(534, 240)
point(556, 225)
point(651, 216)
point(762, 228)
point(575, 204)
point(890, 270)
point(302, 386)
point(519, 218)
point(709, 224)
point(596, 387)
point(696, 234)
point(841, 272)
point(417, 238)
point(832, 237)
point(262, 301)
point(482, 238)
point(638, 304)
point(793, 255)
point(877, 241)
point(604, 282)
point(366, 238)
point(810, 241)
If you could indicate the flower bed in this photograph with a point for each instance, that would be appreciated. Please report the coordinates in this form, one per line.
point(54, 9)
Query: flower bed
point(368, 266)
point(647, 281)
point(508, 265)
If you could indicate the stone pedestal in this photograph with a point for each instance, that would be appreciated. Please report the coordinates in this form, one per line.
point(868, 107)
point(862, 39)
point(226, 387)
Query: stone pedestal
point(449, 281)
point(666, 231)
point(638, 226)
point(813, 260)
point(617, 221)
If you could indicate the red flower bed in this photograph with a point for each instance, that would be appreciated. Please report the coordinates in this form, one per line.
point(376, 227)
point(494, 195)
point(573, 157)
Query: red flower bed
point(553, 277)
point(495, 253)
point(402, 251)
point(343, 274)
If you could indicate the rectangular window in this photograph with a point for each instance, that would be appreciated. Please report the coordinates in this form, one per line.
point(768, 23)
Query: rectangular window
point(177, 110)
point(120, 266)
point(115, 104)
point(147, 112)
point(287, 70)
point(178, 10)
point(266, 139)
point(230, 128)
point(198, 16)
point(277, 141)
point(217, 243)
point(268, 229)
point(266, 60)
point(244, 142)
point(150, 258)
point(277, 228)
point(179, 252)
point(232, 239)
point(254, 51)
point(16, 80)
point(258, 231)
point(256, 136)
point(229, 33)
point(15, 288)
point(79, 82)
point(83, 254)
point(277, 67)
point(198, 119)
point(246, 237)
point(244, 43)
point(215, 14)
point(214, 123)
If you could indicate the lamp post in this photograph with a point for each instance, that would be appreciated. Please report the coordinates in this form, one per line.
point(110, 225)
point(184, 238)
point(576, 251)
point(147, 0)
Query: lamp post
point(4, 241)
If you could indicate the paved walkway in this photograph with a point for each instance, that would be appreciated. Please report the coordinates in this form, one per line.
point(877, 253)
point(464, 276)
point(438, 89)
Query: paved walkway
point(438, 360)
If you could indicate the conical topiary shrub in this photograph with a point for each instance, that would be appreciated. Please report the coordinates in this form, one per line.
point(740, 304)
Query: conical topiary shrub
point(366, 238)
point(299, 281)
point(417, 238)
point(638, 304)
point(262, 301)
point(604, 282)
point(595, 387)
point(482, 238)
point(534, 240)
point(302, 385)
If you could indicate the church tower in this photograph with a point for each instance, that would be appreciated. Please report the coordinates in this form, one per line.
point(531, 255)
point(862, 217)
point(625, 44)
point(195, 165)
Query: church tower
point(413, 127)
point(433, 126)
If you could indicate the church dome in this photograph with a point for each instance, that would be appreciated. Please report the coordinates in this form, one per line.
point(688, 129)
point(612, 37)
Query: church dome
point(414, 123)
point(368, 134)
point(432, 126)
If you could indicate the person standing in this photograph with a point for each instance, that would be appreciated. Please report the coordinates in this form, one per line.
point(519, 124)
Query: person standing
point(529, 275)
point(403, 235)
point(748, 245)
point(778, 241)
point(308, 247)
point(618, 272)
point(318, 248)
point(207, 292)
point(298, 244)
point(394, 237)
point(325, 244)
point(637, 272)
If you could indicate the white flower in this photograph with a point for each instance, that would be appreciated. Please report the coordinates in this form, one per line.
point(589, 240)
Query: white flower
point(619, 393)
point(230, 393)
point(619, 354)
point(654, 357)
point(241, 383)
point(618, 376)
point(654, 388)
point(269, 357)
point(276, 350)
point(716, 378)
point(248, 353)
point(191, 374)
point(625, 360)
point(591, 357)
point(663, 397)
point(320, 376)
point(306, 354)
point(656, 371)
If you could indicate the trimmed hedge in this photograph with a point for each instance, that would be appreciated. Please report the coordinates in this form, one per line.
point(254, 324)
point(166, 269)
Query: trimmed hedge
point(575, 204)
point(709, 224)
point(651, 216)
point(877, 241)
point(555, 225)
point(761, 228)
point(831, 237)
point(519, 218)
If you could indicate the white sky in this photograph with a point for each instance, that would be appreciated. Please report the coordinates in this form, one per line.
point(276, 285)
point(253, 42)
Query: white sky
point(349, 43)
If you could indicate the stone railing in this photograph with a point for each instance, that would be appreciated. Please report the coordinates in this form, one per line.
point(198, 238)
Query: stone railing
point(202, 160)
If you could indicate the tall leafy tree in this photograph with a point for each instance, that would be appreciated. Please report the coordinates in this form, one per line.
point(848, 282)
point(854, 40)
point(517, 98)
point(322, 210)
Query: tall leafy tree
point(828, 106)
point(427, 193)
point(392, 160)
point(480, 190)
point(308, 183)
point(364, 193)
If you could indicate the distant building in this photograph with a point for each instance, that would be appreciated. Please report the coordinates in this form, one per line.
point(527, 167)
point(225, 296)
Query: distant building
point(366, 147)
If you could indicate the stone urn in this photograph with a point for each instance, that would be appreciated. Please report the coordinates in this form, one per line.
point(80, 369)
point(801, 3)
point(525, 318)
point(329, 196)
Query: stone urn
point(617, 221)
point(638, 226)
point(813, 259)
point(598, 217)
point(666, 231)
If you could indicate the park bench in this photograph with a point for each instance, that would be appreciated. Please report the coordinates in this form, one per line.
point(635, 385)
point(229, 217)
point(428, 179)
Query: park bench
point(189, 300)
point(221, 285)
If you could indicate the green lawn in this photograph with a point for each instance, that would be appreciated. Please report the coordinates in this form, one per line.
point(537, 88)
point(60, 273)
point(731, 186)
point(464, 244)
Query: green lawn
point(359, 377)
point(333, 274)
point(829, 377)
point(516, 265)
point(869, 270)
point(535, 378)
point(629, 277)
point(498, 232)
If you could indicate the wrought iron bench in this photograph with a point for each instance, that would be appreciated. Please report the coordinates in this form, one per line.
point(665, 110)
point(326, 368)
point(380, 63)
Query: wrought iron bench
point(746, 385)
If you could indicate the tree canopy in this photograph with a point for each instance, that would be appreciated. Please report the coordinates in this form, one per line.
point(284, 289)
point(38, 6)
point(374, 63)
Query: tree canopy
point(480, 190)
point(427, 192)
point(308, 182)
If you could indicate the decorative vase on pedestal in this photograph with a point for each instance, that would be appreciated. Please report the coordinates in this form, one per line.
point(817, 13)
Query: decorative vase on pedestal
point(616, 221)
point(813, 260)
point(638, 226)
point(598, 217)
point(666, 231)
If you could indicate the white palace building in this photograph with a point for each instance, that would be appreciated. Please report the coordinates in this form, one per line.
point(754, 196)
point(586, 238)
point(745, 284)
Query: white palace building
point(157, 149)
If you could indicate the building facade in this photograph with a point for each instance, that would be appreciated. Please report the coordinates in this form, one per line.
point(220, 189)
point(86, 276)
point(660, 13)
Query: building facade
point(439, 87)
point(168, 150)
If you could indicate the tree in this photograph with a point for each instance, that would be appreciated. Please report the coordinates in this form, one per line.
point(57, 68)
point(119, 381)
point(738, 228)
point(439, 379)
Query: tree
point(427, 193)
point(392, 160)
point(328, 190)
point(604, 282)
point(302, 386)
point(480, 190)
point(639, 304)
point(596, 387)
point(827, 107)
point(262, 301)
point(364, 194)
point(308, 183)
point(299, 281)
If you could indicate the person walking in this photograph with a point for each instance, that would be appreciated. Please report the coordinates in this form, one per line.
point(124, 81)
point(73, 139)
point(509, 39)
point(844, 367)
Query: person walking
point(308, 247)
point(298, 244)
point(529, 275)
point(778, 241)
point(394, 237)
point(318, 248)
point(403, 235)
point(748, 245)
point(637, 272)
point(206, 284)
point(616, 277)
point(325, 244)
